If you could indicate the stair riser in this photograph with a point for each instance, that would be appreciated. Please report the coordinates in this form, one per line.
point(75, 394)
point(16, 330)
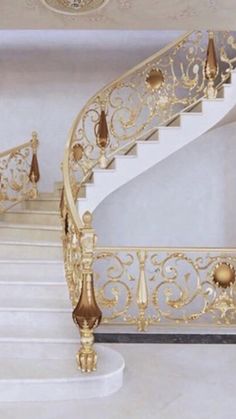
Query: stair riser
point(15, 291)
point(27, 234)
point(66, 389)
point(30, 252)
point(37, 350)
point(42, 205)
point(38, 219)
point(32, 271)
point(37, 324)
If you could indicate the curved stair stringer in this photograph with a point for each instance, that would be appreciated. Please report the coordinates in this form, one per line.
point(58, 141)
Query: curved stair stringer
point(192, 125)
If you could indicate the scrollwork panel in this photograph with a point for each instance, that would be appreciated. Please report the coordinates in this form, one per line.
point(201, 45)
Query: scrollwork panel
point(181, 288)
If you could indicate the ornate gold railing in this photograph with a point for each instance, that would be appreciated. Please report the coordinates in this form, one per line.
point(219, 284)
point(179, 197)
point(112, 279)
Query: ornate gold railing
point(129, 109)
point(19, 174)
point(166, 286)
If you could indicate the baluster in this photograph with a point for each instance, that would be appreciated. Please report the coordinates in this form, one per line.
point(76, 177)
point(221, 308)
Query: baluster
point(102, 136)
point(142, 291)
point(34, 174)
point(211, 68)
point(87, 314)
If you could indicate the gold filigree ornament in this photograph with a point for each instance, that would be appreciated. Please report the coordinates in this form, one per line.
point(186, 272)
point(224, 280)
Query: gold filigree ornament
point(223, 275)
point(78, 152)
point(74, 7)
point(19, 174)
point(155, 79)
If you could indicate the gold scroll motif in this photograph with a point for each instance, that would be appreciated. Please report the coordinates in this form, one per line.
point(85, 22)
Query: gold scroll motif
point(151, 95)
point(19, 174)
point(150, 287)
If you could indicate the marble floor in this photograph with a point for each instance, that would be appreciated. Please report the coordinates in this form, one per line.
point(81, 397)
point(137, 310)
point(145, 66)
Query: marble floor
point(161, 382)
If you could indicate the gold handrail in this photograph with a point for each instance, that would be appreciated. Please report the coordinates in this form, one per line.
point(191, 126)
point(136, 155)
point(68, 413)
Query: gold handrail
point(167, 249)
point(15, 149)
point(19, 174)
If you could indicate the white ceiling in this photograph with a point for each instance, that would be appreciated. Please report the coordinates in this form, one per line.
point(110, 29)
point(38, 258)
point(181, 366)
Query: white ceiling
point(124, 14)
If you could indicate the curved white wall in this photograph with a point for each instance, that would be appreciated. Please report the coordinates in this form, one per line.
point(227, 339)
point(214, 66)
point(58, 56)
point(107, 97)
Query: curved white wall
point(189, 199)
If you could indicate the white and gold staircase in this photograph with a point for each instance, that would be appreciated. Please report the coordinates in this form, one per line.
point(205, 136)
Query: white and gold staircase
point(130, 125)
point(38, 338)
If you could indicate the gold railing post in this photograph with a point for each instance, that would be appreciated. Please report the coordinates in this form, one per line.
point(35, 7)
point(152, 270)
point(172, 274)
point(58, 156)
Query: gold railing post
point(102, 135)
point(87, 314)
point(34, 174)
point(142, 291)
point(211, 67)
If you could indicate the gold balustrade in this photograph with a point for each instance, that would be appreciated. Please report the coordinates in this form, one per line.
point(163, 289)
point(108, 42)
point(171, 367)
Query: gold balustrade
point(148, 287)
point(19, 174)
point(125, 111)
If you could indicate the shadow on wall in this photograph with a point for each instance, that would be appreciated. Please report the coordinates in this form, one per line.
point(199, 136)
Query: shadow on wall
point(188, 199)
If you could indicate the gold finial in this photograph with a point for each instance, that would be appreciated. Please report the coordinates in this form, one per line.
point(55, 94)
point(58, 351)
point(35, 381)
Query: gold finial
point(34, 141)
point(210, 34)
point(87, 219)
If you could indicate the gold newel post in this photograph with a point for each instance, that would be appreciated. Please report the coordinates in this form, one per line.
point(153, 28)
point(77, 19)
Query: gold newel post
point(211, 68)
point(87, 314)
point(34, 174)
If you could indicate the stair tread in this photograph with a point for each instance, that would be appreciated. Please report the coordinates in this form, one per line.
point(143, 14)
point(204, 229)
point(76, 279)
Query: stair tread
point(30, 243)
point(45, 198)
point(32, 261)
point(54, 369)
point(15, 369)
point(22, 283)
point(42, 340)
point(36, 304)
point(29, 226)
point(25, 211)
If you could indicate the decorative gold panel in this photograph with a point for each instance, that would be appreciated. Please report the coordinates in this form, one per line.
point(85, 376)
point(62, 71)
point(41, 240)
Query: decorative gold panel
point(154, 286)
point(19, 174)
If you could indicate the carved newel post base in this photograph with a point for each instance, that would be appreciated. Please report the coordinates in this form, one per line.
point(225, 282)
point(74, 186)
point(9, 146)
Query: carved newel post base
point(87, 314)
point(86, 357)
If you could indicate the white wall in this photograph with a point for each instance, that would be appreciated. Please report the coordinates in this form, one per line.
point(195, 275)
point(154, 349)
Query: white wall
point(189, 199)
point(46, 78)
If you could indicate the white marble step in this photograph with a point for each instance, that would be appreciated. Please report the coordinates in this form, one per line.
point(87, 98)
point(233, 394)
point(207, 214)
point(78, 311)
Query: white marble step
point(34, 320)
point(34, 289)
point(48, 218)
point(32, 270)
point(161, 382)
point(24, 232)
point(30, 250)
point(59, 379)
point(35, 303)
point(32, 348)
point(43, 204)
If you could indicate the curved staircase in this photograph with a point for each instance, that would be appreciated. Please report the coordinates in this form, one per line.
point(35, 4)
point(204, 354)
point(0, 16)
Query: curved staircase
point(131, 124)
point(37, 336)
